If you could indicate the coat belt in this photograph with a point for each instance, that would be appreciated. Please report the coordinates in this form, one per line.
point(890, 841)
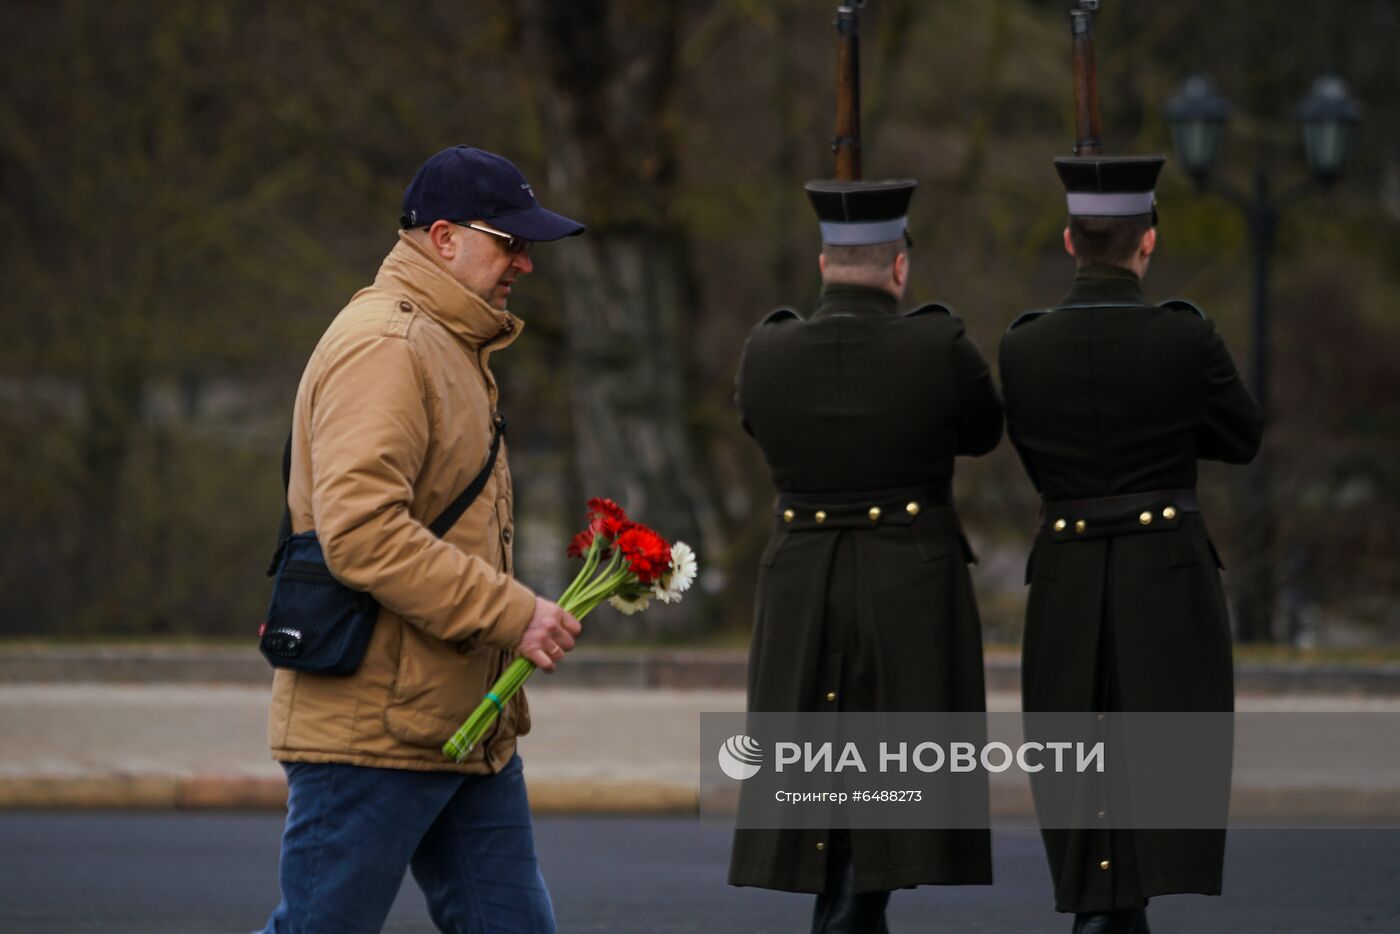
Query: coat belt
point(864, 509)
point(1117, 515)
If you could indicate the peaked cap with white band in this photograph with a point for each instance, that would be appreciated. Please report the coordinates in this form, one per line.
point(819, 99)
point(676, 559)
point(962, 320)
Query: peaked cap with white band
point(1109, 186)
point(862, 213)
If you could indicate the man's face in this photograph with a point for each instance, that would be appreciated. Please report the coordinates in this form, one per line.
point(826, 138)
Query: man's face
point(485, 264)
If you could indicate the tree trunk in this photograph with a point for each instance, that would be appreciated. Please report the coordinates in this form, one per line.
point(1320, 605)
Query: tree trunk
point(628, 288)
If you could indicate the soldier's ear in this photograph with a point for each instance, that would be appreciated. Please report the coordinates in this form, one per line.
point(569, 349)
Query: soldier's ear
point(901, 268)
point(821, 263)
point(1069, 243)
point(1149, 242)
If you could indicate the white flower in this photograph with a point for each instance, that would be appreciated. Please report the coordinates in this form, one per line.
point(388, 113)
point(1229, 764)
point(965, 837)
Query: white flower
point(682, 574)
point(630, 604)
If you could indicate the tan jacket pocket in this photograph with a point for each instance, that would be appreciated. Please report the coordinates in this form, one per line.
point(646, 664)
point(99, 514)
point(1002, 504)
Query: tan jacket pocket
point(522, 714)
point(435, 689)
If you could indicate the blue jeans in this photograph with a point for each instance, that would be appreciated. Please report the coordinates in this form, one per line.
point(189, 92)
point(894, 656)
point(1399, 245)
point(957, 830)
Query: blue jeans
point(352, 831)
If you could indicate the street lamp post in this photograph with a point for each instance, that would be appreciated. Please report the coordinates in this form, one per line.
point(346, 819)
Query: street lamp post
point(1198, 115)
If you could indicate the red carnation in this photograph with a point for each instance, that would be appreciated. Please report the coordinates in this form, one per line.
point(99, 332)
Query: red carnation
point(606, 518)
point(646, 553)
point(605, 508)
point(579, 545)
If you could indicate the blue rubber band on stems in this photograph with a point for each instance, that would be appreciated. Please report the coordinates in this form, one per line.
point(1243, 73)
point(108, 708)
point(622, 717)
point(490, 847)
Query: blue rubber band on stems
point(490, 695)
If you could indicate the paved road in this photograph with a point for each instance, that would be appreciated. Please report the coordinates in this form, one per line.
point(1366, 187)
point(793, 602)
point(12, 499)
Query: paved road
point(152, 873)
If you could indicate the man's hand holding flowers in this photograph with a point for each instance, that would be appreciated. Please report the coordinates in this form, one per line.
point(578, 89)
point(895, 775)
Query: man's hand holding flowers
point(624, 563)
point(549, 634)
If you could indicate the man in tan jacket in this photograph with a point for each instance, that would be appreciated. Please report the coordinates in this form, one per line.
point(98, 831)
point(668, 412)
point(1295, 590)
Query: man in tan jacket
point(393, 419)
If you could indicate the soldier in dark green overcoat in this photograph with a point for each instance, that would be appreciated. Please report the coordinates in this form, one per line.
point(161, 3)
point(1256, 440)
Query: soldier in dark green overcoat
point(864, 600)
point(1110, 402)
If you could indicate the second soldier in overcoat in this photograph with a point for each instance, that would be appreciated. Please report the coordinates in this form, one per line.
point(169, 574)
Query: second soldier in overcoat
point(864, 599)
point(1111, 400)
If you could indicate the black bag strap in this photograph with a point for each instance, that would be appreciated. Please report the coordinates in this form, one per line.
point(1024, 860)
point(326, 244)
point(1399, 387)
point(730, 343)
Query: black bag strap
point(439, 526)
point(284, 531)
point(454, 510)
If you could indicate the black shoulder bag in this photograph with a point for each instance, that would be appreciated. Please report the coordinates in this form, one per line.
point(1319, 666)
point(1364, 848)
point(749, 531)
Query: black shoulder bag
point(314, 622)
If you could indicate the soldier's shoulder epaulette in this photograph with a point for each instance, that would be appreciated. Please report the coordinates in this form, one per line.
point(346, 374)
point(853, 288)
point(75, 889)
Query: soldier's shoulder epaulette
point(1181, 304)
point(930, 309)
point(1026, 317)
point(780, 314)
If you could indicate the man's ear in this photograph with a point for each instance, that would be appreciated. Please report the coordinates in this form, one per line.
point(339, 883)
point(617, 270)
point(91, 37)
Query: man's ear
point(1069, 243)
point(1149, 242)
point(443, 236)
point(821, 263)
point(901, 268)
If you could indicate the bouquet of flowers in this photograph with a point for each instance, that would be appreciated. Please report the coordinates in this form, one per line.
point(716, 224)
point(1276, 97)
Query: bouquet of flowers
point(624, 563)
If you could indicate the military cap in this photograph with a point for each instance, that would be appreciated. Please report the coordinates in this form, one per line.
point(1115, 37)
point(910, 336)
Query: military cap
point(1109, 186)
point(862, 213)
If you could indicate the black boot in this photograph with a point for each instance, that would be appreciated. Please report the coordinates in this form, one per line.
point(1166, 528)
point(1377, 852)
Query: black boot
point(840, 910)
point(1128, 921)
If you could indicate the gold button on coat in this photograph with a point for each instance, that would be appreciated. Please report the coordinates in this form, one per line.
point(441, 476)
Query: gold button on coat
point(1080, 526)
point(1145, 518)
point(820, 847)
point(820, 516)
point(1169, 513)
point(1103, 865)
point(831, 695)
point(912, 509)
point(1060, 525)
point(789, 515)
point(874, 513)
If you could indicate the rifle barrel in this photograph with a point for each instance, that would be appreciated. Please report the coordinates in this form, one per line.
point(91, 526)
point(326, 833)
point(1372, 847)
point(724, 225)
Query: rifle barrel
point(1088, 133)
point(846, 145)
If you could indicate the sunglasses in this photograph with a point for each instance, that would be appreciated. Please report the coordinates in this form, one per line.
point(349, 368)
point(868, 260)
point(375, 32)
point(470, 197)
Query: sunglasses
point(514, 245)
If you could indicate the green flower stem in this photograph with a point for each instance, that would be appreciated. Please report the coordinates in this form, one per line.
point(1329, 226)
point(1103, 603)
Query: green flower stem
point(584, 599)
point(594, 603)
point(469, 734)
point(590, 564)
point(608, 587)
point(604, 586)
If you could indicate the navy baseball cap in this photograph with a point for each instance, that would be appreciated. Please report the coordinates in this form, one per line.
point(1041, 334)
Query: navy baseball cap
point(468, 184)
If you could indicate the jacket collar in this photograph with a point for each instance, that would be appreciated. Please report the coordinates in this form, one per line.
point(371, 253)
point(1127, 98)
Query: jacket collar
point(1102, 285)
point(854, 301)
point(412, 272)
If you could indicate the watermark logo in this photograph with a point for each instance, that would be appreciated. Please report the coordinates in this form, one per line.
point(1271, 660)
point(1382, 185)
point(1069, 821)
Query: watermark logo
point(740, 757)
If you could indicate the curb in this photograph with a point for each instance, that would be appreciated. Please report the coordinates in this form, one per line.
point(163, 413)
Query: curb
point(163, 792)
point(611, 796)
point(662, 669)
point(87, 792)
point(1282, 807)
point(130, 665)
point(691, 669)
